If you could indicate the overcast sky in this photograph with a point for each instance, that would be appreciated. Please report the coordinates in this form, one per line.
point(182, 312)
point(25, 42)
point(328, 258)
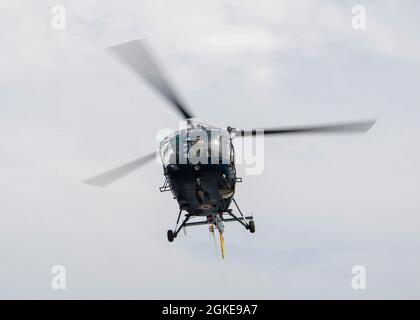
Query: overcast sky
point(68, 110)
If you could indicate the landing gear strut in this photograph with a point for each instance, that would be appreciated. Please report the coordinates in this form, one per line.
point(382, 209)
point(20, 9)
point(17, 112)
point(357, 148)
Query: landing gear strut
point(243, 220)
point(247, 222)
point(173, 233)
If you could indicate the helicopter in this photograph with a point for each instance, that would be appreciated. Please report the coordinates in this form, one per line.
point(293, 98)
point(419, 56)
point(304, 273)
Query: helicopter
point(199, 161)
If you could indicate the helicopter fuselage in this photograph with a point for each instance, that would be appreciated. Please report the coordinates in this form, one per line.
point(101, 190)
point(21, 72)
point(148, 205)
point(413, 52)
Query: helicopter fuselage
point(200, 170)
point(202, 189)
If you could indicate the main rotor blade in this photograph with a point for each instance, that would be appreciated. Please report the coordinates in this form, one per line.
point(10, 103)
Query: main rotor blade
point(138, 57)
point(111, 176)
point(347, 127)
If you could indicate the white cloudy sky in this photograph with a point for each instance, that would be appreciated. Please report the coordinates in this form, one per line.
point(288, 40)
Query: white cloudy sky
point(322, 205)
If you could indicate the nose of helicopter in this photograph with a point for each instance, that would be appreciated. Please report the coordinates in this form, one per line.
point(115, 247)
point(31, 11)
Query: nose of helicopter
point(197, 145)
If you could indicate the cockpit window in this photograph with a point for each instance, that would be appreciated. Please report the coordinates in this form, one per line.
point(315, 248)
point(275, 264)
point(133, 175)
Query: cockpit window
point(197, 145)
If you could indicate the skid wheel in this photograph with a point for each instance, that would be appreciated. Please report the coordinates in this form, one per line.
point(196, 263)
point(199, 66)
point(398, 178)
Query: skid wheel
point(171, 236)
point(252, 226)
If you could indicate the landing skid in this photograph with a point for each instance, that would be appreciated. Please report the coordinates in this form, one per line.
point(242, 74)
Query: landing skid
point(172, 234)
point(246, 221)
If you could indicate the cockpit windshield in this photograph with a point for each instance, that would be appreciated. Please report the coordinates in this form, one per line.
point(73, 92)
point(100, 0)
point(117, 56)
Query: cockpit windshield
point(196, 145)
